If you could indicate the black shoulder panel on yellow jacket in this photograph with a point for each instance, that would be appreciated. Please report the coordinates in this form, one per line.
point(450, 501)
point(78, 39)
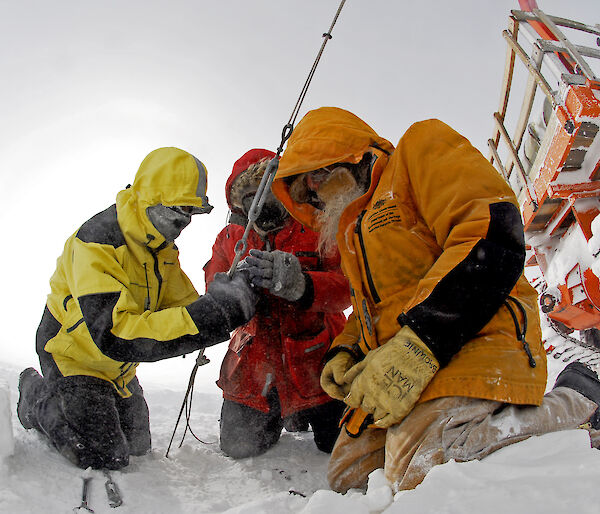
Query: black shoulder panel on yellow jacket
point(467, 298)
point(103, 228)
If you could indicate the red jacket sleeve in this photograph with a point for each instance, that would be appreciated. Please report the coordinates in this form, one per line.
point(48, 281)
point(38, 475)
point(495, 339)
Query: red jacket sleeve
point(223, 251)
point(331, 292)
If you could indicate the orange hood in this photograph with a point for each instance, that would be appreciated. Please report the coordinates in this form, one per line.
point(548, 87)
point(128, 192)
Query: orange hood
point(324, 136)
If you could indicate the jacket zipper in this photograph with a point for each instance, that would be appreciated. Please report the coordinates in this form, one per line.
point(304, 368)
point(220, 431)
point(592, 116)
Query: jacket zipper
point(360, 324)
point(158, 275)
point(147, 301)
point(358, 230)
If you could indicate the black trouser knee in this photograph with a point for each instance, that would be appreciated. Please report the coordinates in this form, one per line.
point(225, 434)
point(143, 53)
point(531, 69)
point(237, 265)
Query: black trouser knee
point(134, 418)
point(247, 432)
point(82, 416)
point(324, 420)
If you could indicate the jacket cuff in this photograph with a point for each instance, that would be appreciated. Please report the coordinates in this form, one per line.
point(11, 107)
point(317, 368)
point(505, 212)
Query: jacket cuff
point(308, 297)
point(353, 350)
point(442, 355)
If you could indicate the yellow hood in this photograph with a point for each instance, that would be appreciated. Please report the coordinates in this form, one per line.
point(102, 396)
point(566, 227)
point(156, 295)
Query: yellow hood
point(324, 136)
point(167, 176)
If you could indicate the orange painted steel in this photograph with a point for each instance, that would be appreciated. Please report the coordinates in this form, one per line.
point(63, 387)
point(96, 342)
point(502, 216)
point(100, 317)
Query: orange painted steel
point(559, 187)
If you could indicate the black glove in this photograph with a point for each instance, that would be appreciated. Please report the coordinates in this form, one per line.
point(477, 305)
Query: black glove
point(279, 272)
point(234, 296)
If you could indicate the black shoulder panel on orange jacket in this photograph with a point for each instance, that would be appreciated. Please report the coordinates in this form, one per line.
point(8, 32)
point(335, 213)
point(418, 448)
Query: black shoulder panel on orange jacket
point(467, 298)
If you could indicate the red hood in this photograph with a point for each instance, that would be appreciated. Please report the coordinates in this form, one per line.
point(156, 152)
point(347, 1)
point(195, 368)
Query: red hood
point(243, 163)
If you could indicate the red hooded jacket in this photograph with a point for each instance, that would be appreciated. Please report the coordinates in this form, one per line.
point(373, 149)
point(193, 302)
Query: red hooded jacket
point(284, 344)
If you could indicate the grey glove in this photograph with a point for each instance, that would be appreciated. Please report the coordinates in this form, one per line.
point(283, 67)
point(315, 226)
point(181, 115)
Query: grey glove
point(235, 297)
point(279, 272)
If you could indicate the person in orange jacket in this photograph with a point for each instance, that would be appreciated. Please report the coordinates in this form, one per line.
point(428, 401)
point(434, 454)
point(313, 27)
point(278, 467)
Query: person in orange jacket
point(270, 373)
point(442, 357)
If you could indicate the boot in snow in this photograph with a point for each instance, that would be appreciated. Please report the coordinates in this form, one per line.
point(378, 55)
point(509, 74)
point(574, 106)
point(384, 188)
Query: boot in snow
point(582, 379)
point(30, 387)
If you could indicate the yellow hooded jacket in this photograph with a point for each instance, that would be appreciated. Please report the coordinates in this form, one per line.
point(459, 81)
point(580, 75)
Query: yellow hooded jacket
point(118, 295)
point(436, 243)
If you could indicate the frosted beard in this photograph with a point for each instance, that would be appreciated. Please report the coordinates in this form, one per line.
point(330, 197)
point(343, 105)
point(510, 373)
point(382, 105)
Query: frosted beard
point(329, 218)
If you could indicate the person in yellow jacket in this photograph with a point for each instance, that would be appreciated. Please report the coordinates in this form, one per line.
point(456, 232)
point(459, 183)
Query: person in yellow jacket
point(442, 357)
point(119, 297)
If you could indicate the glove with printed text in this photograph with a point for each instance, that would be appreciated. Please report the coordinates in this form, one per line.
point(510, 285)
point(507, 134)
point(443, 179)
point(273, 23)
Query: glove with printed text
point(389, 381)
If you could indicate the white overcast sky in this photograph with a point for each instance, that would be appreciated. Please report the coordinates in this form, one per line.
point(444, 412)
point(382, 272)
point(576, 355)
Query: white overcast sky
point(88, 88)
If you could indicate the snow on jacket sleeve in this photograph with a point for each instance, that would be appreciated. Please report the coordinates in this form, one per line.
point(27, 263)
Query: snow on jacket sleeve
point(474, 218)
point(117, 325)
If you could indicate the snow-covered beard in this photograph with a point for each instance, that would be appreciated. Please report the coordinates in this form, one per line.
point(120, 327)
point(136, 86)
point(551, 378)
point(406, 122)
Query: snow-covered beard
point(329, 218)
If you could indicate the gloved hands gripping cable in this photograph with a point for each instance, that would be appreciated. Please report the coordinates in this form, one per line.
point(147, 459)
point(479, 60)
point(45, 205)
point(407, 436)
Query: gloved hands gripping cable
point(234, 296)
point(279, 272)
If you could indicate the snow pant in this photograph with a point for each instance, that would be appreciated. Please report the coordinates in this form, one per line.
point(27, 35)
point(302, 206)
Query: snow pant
point(448, 428)
point(248, 432)
point(296, 422)
point(90, 424)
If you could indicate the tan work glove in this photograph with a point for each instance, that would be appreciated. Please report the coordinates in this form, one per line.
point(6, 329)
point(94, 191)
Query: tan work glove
point(391, 378)
point(332, 376)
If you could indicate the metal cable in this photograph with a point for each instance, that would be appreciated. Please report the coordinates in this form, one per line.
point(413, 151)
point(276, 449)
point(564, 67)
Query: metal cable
point(327, 36)
point(254, 212)
point(267, 178)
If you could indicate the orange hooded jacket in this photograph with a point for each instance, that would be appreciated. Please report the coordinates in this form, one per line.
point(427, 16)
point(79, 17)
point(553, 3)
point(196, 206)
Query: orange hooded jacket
point(436, 243)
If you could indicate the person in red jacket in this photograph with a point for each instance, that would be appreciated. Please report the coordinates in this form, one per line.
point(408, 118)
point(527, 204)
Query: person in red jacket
point(271, 371)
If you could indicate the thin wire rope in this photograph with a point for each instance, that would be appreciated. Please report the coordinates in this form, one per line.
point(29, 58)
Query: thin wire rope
point(327, 36)
point(265, 183)
point(188, 415)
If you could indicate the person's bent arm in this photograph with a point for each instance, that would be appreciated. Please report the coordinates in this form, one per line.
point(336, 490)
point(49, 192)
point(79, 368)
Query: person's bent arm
point(123, 333)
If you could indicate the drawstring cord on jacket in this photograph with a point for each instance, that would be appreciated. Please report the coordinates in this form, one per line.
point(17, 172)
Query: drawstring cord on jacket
point(520, 332)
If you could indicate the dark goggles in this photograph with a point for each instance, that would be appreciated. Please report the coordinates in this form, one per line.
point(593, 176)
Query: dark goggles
point(189, 210)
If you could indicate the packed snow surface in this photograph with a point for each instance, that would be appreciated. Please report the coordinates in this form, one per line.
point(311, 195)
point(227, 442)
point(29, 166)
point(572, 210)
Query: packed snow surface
point(550, 474)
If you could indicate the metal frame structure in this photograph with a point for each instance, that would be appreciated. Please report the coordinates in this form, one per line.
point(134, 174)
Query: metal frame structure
point(554, 165)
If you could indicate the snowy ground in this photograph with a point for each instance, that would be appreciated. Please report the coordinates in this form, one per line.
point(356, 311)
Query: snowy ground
point(550, 474)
